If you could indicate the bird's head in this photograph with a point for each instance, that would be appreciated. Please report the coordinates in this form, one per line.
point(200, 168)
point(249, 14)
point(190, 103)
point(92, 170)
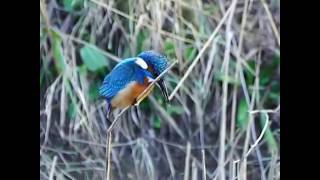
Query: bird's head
point(157, 63)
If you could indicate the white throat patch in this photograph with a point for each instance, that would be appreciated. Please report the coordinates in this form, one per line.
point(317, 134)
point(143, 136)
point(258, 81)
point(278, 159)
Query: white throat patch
point(140, 62)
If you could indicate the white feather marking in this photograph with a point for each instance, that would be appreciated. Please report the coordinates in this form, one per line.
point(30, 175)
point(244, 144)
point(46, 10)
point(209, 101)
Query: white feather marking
point(140, 62)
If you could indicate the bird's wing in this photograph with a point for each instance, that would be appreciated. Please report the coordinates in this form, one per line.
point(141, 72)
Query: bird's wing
point(119, 77)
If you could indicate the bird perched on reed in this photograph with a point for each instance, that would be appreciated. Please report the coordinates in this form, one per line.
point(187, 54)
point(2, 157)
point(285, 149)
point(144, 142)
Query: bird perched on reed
point(130, 77)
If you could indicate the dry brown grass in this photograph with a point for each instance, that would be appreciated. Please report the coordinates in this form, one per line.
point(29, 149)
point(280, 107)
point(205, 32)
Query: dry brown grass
point(199, 134)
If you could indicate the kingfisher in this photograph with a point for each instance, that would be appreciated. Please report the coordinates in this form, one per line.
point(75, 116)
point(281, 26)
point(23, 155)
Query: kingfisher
point(130, 77)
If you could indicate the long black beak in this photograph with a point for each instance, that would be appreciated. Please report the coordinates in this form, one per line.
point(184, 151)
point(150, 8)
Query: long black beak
point(163, 89)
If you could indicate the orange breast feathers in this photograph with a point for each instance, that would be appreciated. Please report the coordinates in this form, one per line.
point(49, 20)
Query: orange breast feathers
point(128, 96)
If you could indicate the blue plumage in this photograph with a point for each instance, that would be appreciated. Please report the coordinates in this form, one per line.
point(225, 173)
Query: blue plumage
point(128, 77)
point(156, 60)
point(122, 74)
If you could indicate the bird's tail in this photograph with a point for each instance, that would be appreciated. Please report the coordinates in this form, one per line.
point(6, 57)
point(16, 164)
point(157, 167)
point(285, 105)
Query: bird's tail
point(108, 106)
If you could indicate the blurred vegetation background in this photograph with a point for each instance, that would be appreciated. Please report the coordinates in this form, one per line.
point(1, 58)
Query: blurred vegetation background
point(230, 97)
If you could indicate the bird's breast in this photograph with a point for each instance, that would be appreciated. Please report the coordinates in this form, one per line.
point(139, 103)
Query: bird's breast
point(128, 96)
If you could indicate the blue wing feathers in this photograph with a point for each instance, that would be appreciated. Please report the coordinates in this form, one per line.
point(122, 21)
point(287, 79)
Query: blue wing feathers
point(123, 73)
point(119, 77)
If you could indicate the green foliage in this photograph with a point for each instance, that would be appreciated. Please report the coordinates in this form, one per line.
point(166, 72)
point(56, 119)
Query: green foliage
point(268, 71)
point(124, 6)
point(174, 109)
point(83, 70)
point(169, 49)
point(94, 92)
point(189, 14)
point(229, 79)
point(142, 36)
point(85, 34)
point(71, 5)
point(127, 52)
point(92, 58)
point(77, 4)
point(242, 114)
point(249, 75)
point(190, 53)
point(272, 143)
point(67, 5)
point(272, 95)
point(266, 80)
point(211, 8)
point(156, 122)
point(58, 51)
point(71, 111)
point(145, 105)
